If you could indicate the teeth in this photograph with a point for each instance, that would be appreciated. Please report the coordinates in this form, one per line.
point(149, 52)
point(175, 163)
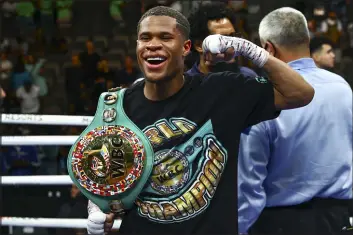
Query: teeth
point(155, 58)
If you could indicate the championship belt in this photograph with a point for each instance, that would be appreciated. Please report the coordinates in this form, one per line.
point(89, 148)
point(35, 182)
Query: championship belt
point(112, 159)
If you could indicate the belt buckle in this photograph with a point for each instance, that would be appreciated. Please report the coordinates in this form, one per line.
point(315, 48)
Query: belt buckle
point(107, 162)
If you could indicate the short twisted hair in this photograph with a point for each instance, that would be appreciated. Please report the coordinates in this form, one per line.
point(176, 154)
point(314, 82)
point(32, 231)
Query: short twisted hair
point(182, 23)
point(210, 11)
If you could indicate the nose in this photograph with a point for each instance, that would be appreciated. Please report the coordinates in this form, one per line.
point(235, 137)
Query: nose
point(154, 45)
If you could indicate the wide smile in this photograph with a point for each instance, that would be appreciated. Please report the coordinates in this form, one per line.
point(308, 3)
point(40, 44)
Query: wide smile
point(156, 62)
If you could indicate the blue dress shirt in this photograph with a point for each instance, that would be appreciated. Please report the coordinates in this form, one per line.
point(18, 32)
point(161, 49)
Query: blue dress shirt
point(302, 154)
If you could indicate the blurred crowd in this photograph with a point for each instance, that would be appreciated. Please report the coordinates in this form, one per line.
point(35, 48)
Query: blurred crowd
point(57, 56)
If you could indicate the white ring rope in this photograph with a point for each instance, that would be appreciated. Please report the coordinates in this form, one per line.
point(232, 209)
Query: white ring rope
point(54, 140)
point(36, 180)
point(48, 222)
point(34, 119)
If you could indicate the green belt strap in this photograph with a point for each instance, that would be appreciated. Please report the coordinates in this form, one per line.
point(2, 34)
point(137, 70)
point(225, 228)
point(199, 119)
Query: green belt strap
point(112, 159)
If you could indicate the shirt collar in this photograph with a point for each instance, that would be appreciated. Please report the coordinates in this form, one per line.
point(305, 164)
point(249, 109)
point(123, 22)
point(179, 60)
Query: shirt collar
point(302, 63)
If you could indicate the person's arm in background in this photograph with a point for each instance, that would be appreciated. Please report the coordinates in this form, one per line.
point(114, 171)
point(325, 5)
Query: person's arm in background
point(254, 153)
point(2, 93)
point(37, 67)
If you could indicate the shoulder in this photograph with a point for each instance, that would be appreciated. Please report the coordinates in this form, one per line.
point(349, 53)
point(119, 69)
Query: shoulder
point(222, 77)
point(135, 88)
point(327, 77)
point(247, 71)
point(258, 129)
point(236, 81)
point(138, 80)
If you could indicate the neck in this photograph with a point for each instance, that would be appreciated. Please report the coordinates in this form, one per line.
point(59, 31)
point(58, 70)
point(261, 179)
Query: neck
point(163, 90)
point(288, 55)
point(322, 66)
point(202, 66)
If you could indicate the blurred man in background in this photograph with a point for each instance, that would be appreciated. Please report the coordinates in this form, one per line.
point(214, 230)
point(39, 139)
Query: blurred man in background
point(321, 50)
point(208, 19)
point(28, 94)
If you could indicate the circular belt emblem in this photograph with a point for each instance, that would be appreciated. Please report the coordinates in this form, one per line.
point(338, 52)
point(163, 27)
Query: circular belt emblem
point(109, 115)
point(171, 171)
point(108, 160)
point(110, 98)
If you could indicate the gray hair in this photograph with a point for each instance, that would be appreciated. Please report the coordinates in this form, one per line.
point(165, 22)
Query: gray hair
point(284, 27)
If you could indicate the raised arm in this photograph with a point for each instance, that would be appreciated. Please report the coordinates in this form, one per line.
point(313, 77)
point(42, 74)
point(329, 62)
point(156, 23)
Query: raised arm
point(290, 89)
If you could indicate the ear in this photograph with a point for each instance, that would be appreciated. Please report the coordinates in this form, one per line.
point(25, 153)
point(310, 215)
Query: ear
point(186, 47)
point(270, 48)
point(198, 46)
point(316, 56)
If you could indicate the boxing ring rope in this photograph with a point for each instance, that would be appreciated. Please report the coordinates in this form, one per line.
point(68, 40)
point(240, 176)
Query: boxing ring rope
point(36, 180)
point(33, 119)
point(48, 222)
point(38, 140)
point(43, 222)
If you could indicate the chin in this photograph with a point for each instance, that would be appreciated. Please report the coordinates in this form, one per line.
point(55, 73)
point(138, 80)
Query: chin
point(156, 80)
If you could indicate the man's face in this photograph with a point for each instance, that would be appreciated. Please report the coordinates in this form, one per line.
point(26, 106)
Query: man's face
point(128, 62)
point(3, 56)
point(30, 59)
point(89, 45)
point(222, 26)
point(75, 60)
point(161, 48)
point(102, 65)
point(325, 58)
point(74, 191)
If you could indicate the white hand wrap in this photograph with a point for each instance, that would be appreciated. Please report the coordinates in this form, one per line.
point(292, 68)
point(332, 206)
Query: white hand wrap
point(96, 219)
point(219, 44)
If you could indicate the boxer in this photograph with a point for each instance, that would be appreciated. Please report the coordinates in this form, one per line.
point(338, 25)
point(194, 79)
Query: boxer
point(193, 124)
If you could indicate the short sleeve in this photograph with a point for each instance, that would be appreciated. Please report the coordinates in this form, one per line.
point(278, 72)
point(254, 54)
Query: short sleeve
point(253, 98)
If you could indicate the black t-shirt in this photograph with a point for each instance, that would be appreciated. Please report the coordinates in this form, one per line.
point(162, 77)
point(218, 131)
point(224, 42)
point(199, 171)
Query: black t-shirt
point(195, 136)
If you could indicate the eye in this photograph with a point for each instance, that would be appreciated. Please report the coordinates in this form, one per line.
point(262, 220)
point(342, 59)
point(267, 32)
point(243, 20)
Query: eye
point(166, 37)
point(143, 37)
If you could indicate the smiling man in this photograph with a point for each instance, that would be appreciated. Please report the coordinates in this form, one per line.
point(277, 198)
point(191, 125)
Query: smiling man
point(193, 124)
